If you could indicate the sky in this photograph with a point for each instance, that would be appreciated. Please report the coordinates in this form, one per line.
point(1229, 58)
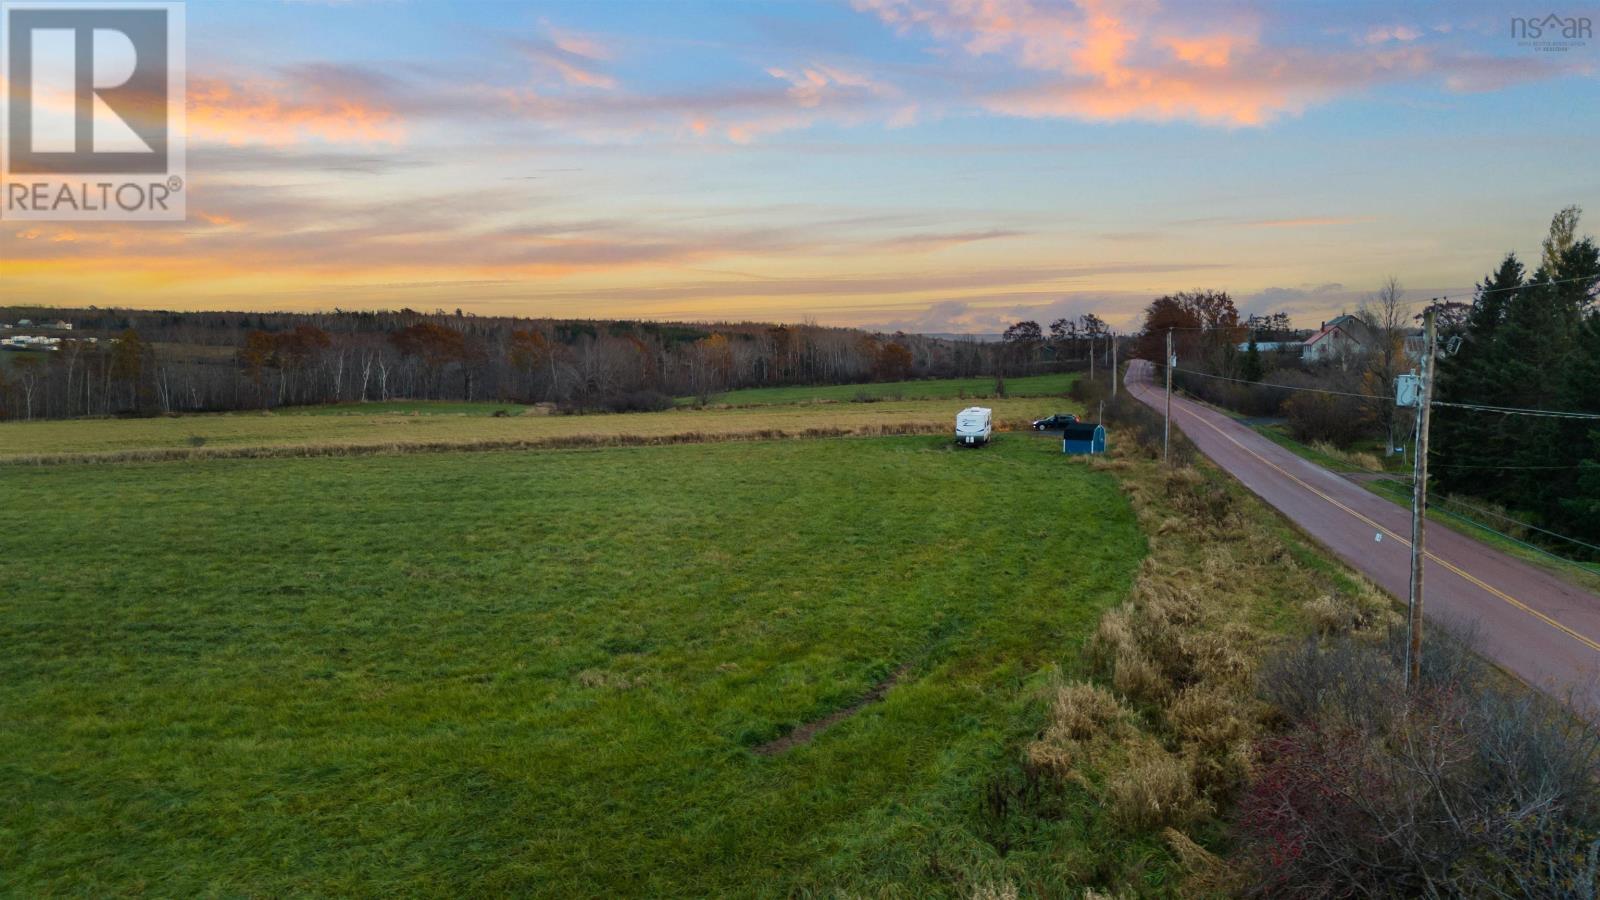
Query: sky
point(922, 165)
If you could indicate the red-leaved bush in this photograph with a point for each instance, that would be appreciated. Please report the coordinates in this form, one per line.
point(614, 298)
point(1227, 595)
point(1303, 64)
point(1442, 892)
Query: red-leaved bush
point(1459, 786)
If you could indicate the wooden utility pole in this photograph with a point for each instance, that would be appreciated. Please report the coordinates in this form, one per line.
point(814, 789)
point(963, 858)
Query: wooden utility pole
point(1419, 501)
point(1166, 424)
point(1114, 378)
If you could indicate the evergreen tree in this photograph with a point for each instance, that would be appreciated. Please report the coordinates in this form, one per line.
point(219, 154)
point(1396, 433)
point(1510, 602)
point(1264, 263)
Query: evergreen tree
point(1576, 493)
point(1542, 337)
point(1252, 369)
point(1463, 439)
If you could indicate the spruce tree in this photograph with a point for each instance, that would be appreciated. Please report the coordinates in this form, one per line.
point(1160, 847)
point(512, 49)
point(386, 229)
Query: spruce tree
point(1463, 440)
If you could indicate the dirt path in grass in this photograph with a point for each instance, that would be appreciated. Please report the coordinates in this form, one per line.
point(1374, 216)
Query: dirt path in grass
point(808, 732)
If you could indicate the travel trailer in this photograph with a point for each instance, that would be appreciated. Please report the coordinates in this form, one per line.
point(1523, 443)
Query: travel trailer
point(974, 425)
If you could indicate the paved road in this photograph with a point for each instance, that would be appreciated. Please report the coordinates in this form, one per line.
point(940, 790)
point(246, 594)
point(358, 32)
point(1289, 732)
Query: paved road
point(1538, 626)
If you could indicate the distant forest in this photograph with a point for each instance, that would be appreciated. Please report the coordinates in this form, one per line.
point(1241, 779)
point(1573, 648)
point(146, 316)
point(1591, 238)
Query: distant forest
point(130, 362)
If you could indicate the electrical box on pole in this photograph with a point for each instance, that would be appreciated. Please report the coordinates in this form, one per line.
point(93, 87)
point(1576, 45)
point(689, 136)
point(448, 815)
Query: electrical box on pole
point(1407, 388)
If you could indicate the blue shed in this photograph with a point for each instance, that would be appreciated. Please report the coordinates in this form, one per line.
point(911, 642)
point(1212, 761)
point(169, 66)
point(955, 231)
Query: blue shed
point(1083, 437)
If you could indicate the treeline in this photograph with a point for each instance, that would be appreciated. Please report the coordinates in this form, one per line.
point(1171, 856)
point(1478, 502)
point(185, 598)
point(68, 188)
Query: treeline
point(1528, 342)
point(146, 363)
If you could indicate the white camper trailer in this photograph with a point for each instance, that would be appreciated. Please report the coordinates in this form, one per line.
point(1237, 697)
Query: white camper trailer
point(974, 425)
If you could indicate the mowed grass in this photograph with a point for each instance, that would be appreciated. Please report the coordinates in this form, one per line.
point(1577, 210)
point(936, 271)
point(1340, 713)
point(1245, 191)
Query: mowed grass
point(382, 427)
point(926, 389)
point(542, 673)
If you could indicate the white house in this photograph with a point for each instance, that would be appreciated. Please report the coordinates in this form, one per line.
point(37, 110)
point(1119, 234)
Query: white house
point(1345, 336)
point(1340, 338)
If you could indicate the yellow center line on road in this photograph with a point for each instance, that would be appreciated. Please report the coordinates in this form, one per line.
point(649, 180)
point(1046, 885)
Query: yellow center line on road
point(1471, 579)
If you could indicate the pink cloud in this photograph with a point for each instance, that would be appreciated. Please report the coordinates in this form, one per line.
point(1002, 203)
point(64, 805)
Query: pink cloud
point(572, 56)
point(1114, 60)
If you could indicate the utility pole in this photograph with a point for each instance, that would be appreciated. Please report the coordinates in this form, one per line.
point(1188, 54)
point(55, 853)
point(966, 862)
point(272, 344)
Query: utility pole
point(1114, 378)
point(1419, 501)
point(1166, 424)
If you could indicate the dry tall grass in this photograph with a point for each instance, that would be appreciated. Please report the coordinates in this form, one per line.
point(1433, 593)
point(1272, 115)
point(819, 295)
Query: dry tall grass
point(1164, 732)
point(256, 435)
point(556, 442)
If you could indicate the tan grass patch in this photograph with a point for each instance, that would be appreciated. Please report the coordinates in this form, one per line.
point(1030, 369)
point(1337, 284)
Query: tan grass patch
point(1154, 790)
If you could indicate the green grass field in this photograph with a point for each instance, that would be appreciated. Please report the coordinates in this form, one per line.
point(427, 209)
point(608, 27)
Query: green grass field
point(927, 389)
point(544, 673)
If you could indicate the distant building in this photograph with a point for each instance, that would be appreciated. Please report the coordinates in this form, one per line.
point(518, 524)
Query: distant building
point(30, 342)
point(1347, 336)
point(1340, 338)
point(1272, 346)
point(58, 325)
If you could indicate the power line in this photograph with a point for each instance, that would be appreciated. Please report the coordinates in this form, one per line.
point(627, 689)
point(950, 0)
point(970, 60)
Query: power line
point(1286, 387)
point(1521, 524)
point(1473, 293)
point(1504, 410)
point(1439, 465)
point(1477, 292)
point(1534, 547)
point(1517, 410)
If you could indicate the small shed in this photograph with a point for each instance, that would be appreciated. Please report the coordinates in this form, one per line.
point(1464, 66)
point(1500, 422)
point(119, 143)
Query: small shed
point(1083, 437)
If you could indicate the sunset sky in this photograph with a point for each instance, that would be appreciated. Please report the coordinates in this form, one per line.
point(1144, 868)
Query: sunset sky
point(930, 165)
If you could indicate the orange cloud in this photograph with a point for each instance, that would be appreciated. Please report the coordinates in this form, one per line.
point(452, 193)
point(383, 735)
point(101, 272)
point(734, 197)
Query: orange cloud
point(275, 113)
point(1212, 52)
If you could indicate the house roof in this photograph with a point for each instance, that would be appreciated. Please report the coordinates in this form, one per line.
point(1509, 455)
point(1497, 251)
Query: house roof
point(1350, 326)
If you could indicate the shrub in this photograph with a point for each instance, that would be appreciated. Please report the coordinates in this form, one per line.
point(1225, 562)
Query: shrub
point(627, 401)
point(1460, 786)
point(1323, 418)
